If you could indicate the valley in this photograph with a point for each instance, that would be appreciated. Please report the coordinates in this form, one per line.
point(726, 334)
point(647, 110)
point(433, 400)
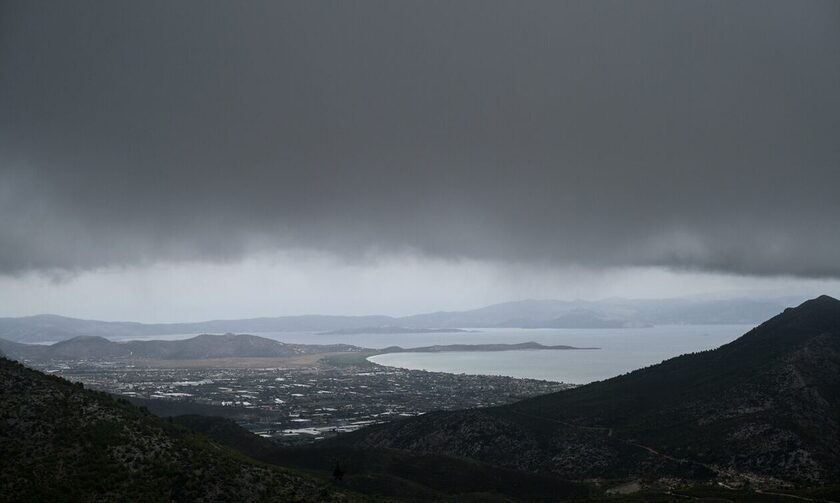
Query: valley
point(753, 420)
point(296, 399)
point(367, 251)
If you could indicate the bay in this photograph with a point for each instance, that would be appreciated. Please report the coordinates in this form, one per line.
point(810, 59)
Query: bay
point(621, 351)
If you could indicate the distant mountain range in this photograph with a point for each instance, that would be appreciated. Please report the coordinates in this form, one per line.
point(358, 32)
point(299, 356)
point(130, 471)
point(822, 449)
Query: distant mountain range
point(612, 313)
point(48, 327)
point(393, 330)
point(763, 409)
point(195, 348)
point(208, 346)
point(757, 419)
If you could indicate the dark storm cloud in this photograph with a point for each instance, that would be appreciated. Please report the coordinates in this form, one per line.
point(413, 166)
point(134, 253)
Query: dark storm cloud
point(687, 134)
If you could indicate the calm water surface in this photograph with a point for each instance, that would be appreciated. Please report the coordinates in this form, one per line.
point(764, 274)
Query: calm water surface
point(621, 350)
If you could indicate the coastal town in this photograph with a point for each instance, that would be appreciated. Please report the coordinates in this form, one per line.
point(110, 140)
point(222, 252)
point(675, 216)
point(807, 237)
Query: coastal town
point(299, 404)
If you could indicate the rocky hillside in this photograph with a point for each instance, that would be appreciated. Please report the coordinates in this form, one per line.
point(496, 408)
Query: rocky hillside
point(764, 408)
point(60, 442)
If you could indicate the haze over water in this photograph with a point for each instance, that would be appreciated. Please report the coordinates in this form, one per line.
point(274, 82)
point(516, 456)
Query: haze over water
point(621, 351)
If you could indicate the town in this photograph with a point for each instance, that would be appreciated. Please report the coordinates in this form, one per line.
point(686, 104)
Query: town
point(299, 404)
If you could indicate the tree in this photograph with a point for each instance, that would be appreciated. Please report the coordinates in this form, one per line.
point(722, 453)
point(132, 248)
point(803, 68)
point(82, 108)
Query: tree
point(338, 473)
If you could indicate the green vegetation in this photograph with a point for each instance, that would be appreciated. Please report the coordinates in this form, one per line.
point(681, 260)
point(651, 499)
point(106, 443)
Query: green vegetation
point(354, 359)
point(63, 443)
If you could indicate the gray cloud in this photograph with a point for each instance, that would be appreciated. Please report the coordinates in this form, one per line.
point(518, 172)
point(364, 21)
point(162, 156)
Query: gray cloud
point(686, 134)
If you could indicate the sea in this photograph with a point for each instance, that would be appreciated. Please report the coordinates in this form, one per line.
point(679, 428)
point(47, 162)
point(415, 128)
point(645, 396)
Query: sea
point(620, 350)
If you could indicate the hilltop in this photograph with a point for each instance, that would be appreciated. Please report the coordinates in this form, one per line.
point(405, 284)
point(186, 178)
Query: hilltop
point(206, 346)
point(195, 348)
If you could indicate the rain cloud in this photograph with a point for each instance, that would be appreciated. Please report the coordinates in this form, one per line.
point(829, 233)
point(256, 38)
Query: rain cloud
point(698, 135)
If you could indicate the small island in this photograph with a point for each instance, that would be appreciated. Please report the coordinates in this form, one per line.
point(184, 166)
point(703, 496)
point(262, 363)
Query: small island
point(476, 347)
point(394, 330)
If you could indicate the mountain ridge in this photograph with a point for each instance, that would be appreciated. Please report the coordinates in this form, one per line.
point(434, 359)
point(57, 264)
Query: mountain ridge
point(765, 407)
point(578, 314)
point(200, 347)
point(209, 346)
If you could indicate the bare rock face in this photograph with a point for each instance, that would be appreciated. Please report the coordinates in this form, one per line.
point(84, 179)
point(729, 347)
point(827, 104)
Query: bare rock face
point(765, 408)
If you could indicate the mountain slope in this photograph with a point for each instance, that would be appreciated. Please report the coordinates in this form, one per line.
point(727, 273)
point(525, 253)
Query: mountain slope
point(63, 443)
point(766, 406)
point(407, 476)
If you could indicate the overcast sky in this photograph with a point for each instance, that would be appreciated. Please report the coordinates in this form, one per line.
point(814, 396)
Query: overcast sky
point(187, 160)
